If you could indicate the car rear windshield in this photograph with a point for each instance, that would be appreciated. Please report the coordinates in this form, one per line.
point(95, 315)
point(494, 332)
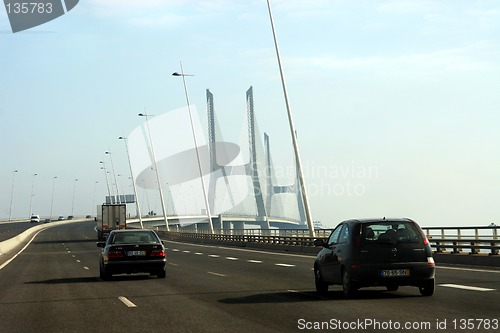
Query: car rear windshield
point(133, 238)
point(390, 232)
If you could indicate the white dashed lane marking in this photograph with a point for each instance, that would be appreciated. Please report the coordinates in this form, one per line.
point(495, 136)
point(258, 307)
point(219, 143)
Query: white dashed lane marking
point(230, 258)
point(459, 286)
point(127, 302)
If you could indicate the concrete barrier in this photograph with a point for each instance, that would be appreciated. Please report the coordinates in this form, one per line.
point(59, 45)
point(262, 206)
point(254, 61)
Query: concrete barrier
point(10, 244)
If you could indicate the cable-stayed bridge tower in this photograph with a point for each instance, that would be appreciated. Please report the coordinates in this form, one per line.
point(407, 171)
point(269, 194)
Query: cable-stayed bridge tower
point(266, 204)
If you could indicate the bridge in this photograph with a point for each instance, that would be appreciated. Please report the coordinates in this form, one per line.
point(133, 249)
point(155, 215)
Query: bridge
point(242, 185)
point(235, 278)
point(50, 282)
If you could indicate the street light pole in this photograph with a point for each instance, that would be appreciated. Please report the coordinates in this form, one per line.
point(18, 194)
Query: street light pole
point(310, 224)
point(106, 177)
point(114, 176)
point(133, 182)
point(205, 196)
point(12, 193)
point(52, 200)
point(31, 198)
point(73, 204)
point(155, 165)
point(93, 201)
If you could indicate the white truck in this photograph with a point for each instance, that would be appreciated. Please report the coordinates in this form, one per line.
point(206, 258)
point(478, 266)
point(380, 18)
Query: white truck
point(110, 217)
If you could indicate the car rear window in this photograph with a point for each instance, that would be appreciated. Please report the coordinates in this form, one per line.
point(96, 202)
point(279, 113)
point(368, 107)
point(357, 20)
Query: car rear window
point(390, 232)
point(138, 237)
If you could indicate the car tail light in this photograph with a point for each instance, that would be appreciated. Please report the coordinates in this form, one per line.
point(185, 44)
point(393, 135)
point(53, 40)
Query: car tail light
point(424, 236)
point(430, 262)
point(157, 253)
point(115, 254)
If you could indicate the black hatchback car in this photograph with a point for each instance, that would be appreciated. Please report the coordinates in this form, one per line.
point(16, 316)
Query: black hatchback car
point(132, 251)
point(375, 252)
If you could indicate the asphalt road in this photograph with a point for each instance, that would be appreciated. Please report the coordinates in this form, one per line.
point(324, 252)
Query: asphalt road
point(54, 286)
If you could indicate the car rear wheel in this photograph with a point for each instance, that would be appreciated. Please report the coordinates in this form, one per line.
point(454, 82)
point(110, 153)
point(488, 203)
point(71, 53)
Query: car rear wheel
point(348, 286)
point(161, 274)
point(321, 286)
point(427, 289)
point(103, 272)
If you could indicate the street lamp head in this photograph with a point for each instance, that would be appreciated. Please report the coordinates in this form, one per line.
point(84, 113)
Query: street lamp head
point(122, 138)
point(181, 74)
point(108, 153)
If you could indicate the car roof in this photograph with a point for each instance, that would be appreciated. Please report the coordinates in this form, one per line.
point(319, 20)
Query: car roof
point(378, 219)
point(120, 231)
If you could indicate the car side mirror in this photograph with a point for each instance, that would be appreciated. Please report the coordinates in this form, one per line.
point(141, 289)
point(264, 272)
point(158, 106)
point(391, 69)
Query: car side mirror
point(100, 244)
point(320, 242)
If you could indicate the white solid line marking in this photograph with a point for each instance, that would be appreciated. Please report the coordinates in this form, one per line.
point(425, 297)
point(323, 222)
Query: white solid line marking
point(217, 274)
point(255, 261)
point(231, 258)
point(127, 302)
point(459, 286)
point(214, 255)
point(20, 251)
point(284, 265)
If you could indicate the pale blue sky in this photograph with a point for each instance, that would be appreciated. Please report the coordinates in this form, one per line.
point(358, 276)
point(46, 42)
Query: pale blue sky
point(396, 103)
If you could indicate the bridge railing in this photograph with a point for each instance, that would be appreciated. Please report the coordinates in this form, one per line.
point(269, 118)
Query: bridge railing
point(442, 239)
point(456, 239)
point(289, 238)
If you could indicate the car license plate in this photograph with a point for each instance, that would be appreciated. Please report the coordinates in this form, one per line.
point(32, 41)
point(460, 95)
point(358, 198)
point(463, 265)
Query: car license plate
point(136, 253)
point(395, 272)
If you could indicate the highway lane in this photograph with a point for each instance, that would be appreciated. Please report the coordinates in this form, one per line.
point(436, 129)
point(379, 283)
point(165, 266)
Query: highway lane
point(53, 286)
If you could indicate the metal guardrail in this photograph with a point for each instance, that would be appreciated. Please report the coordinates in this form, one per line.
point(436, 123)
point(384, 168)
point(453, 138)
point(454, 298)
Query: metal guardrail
point(476, 239)
point(248, 238)
point(456, 239)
